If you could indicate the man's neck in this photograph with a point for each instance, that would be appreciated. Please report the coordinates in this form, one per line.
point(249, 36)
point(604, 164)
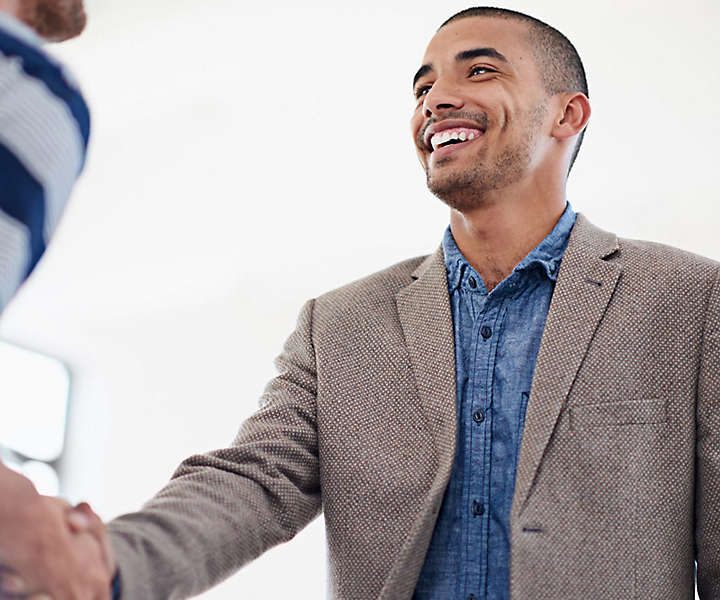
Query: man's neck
point(497, 235)
point(11, 7)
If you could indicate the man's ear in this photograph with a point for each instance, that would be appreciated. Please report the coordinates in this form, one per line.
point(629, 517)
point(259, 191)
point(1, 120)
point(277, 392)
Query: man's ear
point(574, 115)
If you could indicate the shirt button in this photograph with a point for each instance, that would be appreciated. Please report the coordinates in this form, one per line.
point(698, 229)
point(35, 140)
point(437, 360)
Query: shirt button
point(478, 416)
point(472, 283)
point(485, 331)
point(471, 597)
point(477, 508)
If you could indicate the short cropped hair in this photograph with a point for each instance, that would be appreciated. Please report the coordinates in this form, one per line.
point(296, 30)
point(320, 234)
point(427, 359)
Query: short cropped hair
point(558, 62)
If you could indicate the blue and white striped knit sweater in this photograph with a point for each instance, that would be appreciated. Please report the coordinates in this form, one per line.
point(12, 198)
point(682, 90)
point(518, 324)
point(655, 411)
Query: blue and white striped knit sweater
point(44, 130)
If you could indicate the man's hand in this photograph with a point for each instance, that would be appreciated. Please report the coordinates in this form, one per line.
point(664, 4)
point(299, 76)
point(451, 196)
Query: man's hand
point(48, 547)
point(82, 519)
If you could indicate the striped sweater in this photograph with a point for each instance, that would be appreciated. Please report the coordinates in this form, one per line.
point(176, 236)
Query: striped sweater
point(44, 130)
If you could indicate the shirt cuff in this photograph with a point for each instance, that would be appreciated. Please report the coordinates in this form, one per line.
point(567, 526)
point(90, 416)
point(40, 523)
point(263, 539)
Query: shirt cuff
point(116, 586)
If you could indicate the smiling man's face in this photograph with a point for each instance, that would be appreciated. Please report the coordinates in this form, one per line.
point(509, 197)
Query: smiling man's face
point(481, 110)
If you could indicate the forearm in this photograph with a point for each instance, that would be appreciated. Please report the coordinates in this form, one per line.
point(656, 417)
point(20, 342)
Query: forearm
point(202, 527)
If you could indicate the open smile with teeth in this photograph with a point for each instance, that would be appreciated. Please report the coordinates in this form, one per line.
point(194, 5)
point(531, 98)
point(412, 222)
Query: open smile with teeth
point(453, 136)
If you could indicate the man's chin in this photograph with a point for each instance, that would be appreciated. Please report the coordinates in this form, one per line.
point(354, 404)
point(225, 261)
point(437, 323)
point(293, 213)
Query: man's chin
point(465, 189)
point(57, 20)
point(444, 179)
point(72, 31)
point(457, 190)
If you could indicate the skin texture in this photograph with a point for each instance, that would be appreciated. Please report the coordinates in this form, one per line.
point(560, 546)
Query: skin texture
point(48, 548)
point(506, 188)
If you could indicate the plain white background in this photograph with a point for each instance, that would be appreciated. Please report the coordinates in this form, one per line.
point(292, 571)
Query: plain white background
point(248, 156)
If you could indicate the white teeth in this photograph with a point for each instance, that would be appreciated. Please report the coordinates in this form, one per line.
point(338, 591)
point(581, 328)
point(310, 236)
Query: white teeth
point(442, 137)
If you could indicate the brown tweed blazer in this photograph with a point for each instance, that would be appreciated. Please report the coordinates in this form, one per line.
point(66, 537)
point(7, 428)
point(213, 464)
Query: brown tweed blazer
point(618, 483)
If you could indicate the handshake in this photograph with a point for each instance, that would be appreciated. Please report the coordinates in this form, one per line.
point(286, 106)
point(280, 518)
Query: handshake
point(50, 550)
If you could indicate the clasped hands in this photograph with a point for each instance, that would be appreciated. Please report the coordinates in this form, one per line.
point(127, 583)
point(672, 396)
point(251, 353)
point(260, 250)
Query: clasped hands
point(50, 550)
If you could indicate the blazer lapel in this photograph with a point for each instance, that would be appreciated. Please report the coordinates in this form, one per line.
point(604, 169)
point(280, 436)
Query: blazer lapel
point(426, 318)
point(585, 284)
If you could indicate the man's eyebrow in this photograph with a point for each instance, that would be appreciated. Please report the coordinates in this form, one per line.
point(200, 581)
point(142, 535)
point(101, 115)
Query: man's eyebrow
point(476, 52)
point(460, 57)
point(424, 70)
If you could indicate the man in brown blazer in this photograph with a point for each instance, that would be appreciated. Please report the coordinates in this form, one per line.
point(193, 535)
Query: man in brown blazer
point(616, 489)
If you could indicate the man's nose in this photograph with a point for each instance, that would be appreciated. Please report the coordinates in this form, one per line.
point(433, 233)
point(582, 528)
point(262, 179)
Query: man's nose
point(441, 97)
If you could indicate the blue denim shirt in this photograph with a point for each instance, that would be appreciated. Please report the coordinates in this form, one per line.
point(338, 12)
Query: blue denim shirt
point(497, 338)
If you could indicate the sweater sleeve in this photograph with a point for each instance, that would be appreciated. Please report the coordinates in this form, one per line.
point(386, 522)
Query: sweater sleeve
point(44, 131)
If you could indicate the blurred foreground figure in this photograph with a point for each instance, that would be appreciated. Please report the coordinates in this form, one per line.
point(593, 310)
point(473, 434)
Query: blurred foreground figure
point(532, 412)
point(44, 129)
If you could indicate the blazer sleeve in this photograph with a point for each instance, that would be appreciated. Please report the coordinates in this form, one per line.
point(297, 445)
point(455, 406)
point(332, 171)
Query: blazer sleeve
point(224, 508)
point(707, 483)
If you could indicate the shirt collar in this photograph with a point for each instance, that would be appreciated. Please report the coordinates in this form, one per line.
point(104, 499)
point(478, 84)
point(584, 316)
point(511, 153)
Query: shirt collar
point(10, 24)
point(455, 262)
point(546, 255)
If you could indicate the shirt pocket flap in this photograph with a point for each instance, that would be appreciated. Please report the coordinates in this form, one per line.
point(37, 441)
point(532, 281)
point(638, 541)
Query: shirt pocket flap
point(628, 412)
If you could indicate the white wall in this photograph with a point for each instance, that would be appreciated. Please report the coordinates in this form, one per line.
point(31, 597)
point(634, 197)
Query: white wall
point(247, 157)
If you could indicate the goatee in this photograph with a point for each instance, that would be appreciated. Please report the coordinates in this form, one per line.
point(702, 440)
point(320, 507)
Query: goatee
point(469, 188)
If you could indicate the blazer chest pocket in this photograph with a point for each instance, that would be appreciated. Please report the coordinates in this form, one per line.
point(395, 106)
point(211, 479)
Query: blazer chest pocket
point(629, 412)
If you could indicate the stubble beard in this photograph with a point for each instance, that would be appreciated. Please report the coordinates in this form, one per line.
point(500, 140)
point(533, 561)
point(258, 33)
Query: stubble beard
point(467, 189)
point(54, 20)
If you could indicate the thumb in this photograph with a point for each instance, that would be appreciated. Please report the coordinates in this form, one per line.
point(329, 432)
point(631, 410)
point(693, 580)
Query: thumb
point(96, 527)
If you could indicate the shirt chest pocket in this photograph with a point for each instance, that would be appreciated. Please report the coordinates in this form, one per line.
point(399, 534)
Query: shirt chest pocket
point(627, 412)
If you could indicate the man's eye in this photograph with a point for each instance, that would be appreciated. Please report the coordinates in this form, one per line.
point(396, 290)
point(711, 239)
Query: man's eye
point(421, 91)
point(481, 71)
